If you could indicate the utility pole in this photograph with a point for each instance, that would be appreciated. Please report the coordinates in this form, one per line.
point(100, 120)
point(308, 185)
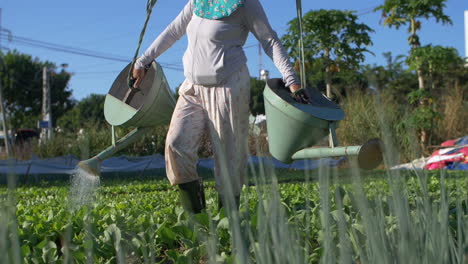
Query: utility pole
point(466, 38)
point(2, 108)
point(46, 125)
point(260, 63)
point(4, 124)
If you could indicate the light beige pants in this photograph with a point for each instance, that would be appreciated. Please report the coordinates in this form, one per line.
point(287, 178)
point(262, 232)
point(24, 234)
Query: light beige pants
point(223, 112)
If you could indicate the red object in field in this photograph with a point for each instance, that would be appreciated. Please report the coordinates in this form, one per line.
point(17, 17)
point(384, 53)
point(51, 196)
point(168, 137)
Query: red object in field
point(449, 143)
point(443, 157)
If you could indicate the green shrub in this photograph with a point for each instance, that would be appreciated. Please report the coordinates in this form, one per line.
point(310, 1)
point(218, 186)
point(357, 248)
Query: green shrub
point(377, 115)
point(83, 144)
point(453, 106)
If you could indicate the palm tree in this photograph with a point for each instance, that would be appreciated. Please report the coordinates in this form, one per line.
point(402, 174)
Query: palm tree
point(397, 13)
point(332, 35)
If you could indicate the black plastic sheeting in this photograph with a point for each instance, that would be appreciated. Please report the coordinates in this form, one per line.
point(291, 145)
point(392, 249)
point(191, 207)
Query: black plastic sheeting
point(58, 168)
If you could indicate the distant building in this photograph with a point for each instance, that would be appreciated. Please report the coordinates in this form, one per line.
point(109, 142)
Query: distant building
point(264, 75)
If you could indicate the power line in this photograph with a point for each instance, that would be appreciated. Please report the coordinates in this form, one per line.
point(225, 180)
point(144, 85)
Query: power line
point(77, 51)
point(49, 44)
point(250, 46)
point(115, 36)
point(84, 52)
point(366, 11)
point(96, 72)
point(91, 65)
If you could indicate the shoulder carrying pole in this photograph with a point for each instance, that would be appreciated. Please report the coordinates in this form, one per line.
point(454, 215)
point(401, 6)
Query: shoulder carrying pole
point(301, 44)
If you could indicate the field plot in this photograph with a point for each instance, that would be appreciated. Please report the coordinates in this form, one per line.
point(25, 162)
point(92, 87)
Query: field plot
point(337, 216)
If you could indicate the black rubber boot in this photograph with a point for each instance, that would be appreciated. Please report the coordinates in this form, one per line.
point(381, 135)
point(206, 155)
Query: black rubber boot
point(221, 201)
point(192, 196)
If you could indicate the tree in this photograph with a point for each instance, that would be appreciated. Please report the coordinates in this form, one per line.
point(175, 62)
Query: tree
point(257, 105)
point(342, 78)
point(393, 78)
point(394, 64)
point(332, 35)
point(21, 78)
point(397, 13)
point(434, 59)
point(88, 112)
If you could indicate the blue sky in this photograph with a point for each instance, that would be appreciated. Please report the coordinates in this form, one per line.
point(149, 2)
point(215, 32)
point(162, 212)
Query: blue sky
point(113, 27)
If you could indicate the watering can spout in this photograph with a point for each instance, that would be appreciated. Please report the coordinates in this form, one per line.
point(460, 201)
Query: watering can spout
point(369, 155)
point(93, 165)
point(294, 127)
point(151, 106)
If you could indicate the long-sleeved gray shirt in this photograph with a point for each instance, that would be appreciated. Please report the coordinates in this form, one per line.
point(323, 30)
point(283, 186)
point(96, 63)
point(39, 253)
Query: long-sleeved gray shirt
point(214, 49)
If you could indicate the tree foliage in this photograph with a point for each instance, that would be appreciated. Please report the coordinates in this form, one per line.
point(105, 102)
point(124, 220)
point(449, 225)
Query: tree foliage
point(21, 77)
point(397, 13)
point(343, 79)
point(89, 111)
point(335, 31)
point(393, 78)
point(434, 58)
point(257, 105)
point(332, 35)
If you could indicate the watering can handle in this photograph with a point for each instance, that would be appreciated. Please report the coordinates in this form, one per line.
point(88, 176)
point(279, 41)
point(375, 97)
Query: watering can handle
point(301, 96)
point(130, 93)
point(131, 80)
point(133, 90)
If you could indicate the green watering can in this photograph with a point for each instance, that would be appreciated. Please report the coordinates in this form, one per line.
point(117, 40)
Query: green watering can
point(150, 105)
point(293, 128)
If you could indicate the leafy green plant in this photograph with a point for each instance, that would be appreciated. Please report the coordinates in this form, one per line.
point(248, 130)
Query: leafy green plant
point(374, 218)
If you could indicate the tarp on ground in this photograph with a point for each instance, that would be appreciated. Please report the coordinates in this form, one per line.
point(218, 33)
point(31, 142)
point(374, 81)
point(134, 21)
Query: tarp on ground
point(454, 156)
point(65, 165)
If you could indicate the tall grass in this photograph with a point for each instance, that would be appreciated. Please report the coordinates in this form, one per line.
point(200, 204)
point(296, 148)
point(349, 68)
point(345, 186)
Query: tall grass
point(454, 109)
point(93, 139)
point(363, 120)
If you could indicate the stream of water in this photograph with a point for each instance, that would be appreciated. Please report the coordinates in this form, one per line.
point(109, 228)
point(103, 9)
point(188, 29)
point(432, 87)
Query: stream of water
point(83, 188)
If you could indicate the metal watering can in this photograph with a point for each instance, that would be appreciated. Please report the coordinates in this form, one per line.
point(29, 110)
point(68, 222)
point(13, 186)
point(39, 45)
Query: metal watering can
point(150, 105)
point(293, 128)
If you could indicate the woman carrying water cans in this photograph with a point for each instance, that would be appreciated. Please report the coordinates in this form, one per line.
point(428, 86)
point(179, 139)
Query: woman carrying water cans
point(214, 98)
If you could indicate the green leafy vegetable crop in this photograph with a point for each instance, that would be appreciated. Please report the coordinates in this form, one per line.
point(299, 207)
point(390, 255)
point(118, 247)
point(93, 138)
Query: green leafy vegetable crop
point(409, 218)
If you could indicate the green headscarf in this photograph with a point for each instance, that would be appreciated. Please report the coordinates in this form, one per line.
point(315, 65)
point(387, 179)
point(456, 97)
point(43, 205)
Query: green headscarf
point(216, 9)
